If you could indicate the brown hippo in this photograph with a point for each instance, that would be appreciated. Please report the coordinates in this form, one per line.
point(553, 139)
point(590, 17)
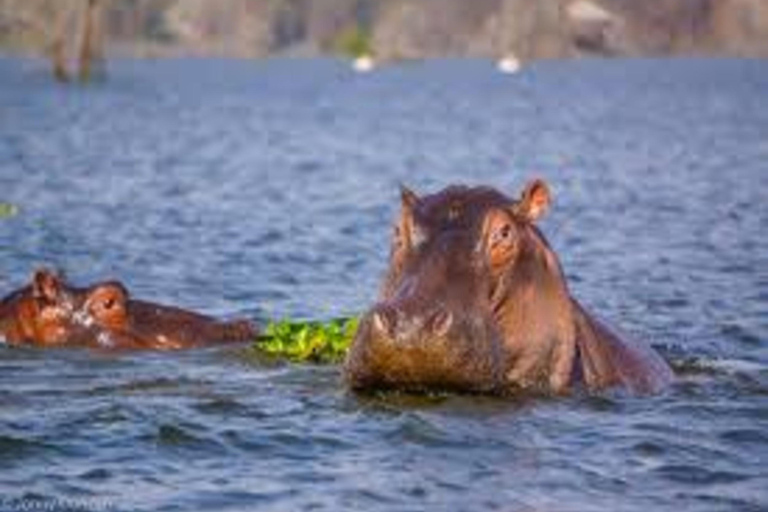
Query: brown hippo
point(113, 320)
point(51, 312)
point(39, 313)
point(475, 300)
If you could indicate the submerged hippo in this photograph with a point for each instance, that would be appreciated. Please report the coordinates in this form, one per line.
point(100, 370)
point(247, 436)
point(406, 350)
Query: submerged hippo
point(475, 300)
point(39, 313)
point(115, 320)
point(51, 312)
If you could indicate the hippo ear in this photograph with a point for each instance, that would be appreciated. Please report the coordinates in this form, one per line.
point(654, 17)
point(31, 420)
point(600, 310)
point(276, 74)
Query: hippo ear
point(46, 285)
point(534, 201)
point(408, 233)
point(408, 198)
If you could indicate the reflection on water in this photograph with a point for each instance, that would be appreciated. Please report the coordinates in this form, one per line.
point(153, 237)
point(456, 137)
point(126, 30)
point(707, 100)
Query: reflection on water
point(267, 189)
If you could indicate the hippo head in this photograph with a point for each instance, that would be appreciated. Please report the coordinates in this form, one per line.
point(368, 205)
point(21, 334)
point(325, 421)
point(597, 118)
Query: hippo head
point(103, 316)
point(40, 313)
point(115, 320)
point(438, 322)
point(51, 312)
point(51, 307)
point(55, 313)
point(109, 320)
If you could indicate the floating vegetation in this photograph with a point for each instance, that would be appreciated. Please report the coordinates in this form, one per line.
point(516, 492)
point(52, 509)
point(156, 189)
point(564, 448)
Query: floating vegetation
point(8, 210)
point(312, 342)
point(354, 42)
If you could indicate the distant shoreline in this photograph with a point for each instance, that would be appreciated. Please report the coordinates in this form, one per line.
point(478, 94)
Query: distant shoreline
point(510, 32)
point(289, 56)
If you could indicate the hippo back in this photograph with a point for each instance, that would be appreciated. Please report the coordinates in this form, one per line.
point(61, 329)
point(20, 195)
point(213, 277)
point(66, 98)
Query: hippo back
point(604, 359)
point(162, 324)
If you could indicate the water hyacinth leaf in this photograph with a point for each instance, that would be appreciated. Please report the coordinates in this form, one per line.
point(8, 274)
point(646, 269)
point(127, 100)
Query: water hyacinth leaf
point(313, 342)
point(8, 210)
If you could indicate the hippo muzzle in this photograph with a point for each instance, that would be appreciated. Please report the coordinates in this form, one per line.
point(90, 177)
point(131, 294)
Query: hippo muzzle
point(433, 348)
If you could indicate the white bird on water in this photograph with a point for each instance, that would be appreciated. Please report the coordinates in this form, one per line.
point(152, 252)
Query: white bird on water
point(509, 64)
point(363, 64)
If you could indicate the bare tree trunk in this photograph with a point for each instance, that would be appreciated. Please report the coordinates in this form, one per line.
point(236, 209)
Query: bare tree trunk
point(98, 42)
point(88, 39)
point(59, 46)
point(59, 60)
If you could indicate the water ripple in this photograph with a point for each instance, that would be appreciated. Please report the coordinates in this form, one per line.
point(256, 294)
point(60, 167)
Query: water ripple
point(268, 189)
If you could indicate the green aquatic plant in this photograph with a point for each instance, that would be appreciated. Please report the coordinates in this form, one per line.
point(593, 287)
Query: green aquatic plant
point(354, 42)
point(8, 210)
point(313, 342)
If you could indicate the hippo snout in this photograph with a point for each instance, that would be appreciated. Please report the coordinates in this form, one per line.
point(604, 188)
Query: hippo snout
point(395, 325)
point(433, 348)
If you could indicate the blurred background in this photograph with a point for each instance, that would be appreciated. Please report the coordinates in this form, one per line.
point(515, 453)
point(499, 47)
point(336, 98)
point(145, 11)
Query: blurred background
point(391, 29)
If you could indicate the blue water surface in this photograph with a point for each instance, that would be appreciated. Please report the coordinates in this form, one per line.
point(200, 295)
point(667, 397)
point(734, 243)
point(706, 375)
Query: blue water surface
point(267, 189)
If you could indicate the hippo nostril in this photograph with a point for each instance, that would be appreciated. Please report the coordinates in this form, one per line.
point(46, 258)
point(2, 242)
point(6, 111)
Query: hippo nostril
point(383, 322)
point(442, 322)
point(378, 322)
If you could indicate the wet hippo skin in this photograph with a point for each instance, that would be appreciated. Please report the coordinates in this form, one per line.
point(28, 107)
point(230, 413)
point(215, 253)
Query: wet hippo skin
point(118, 321)
point(39, 313)
point(475, 300)
point(51, 312)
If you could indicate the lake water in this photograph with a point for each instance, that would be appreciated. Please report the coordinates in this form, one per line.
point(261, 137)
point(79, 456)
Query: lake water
point(267, 189)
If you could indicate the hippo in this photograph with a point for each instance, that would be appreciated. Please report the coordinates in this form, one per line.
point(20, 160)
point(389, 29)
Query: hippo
point(39, 313)
point(475, 300)
point(51, 312)
point(112, 319)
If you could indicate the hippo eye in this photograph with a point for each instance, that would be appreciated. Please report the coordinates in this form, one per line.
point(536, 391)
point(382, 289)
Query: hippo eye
point(109, 304)
point(400, 242)
point(502, 235)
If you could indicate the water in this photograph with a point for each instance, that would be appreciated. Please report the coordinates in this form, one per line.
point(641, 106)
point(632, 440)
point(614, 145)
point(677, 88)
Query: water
point(268, 189)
